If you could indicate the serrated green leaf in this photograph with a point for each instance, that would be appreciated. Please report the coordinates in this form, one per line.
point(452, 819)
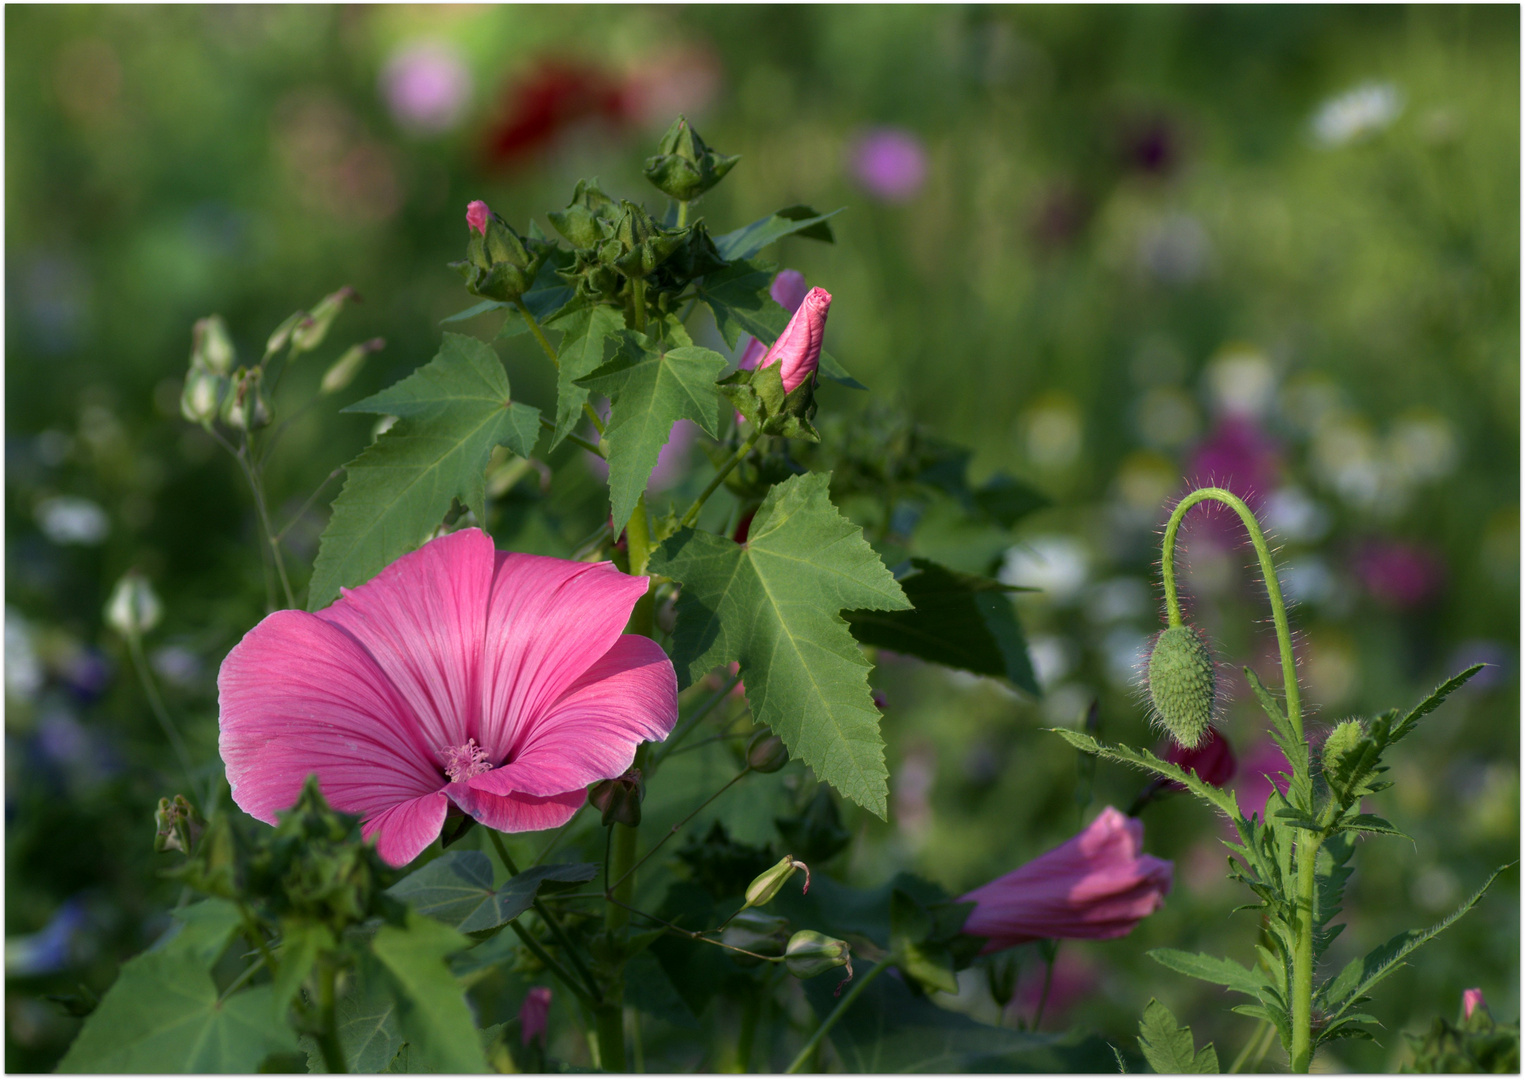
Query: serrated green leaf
point(585, 344)
point(300, 944)
point(452, 412)
point(958, 620)
point(1433, 702)
point(368, 1027)
point(432, 1014)
point(1371, 823)
point(204, 930)
point(772, 604)
point(1168, 1046)
point(1219, 971)
point(456, 889)
point(1220, 799)
point(650, 389)
point(477, 309)
point(739, 298)
point(162, 1015)
point(748, 240)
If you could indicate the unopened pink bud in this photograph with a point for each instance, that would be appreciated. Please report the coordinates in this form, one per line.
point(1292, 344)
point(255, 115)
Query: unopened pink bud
point(798, 349)
point(534, 1013)
point(1470, 1000)
point(476, 215)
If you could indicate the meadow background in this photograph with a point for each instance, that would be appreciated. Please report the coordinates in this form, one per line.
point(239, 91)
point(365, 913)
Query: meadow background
point(1109, 250)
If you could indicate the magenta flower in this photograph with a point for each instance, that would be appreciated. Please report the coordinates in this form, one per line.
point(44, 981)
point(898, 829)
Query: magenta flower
point(500, 684)
point(533, 1015)
point(1399, 575)
point(798, 349)
point(1471, 999)
point(788, 291)
point(476, 215)
point(1265, 769)
point(1212, 760)
point(1096, 885)
point(1237, 455)
point(426, 85)
point(889, 162)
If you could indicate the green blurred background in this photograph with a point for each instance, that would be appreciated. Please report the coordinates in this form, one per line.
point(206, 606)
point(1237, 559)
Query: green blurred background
point(1110, 250)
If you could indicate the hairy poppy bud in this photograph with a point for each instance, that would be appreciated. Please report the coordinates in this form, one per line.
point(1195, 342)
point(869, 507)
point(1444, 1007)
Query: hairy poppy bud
point(134, 608)
point(1182, 685)
point(765, 885)
point(684, 167)
point(619, 800)
point(810, 952)
point(766, 753)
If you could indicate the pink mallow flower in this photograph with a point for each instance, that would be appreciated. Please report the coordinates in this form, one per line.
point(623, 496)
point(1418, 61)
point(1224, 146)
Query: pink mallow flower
point(497, 683)
point(476, 215)
point(533, 1015)
point(1470, 1000)
point(797, 351)
point(1096, 885)
point(788, 291)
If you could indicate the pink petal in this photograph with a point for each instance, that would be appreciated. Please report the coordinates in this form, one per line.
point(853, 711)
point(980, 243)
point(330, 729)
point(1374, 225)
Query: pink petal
point(518, 812)
point(798, 349)
point(750, 355)
point(788, 290)
point(423, 620)
point(548, 622)
point(591, 734)
point(407, 828)
point(299, 696)
point(477, 214)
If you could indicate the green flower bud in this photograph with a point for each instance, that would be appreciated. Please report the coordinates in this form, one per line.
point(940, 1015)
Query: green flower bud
point(282, 333)
point(810, 952)
point(245, 407)
point(1182, 685)
point(343, 370)
point(309, 333)
point(766, 753)
point(765, 885)
point(177, 826)
point(619, 800)
point(1341, 758)
point(202, 397)
point(766, 935)
point(684, 167)
point(500, 264)
point(578, 224)
point(211, 347)
point(133, 609)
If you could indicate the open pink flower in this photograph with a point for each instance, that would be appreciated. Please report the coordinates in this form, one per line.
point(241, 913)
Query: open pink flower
point(788, 291)
point(500, 683)
point(1096, 885)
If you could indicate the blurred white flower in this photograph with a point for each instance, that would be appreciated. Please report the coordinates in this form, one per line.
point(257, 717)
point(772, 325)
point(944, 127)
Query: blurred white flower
point(69, 519)
point(1052, 657)
point(176, 664)
point(1307, 580)
point(1117, 599)
point(1291, 514)
point(1366, 109)
point(426, 85)
point(1242, 381)
point(1125, 648)
point(1175, 249)
point(1423, 447)
point(23, 671)
point(1166, 416)
point(1056, 565)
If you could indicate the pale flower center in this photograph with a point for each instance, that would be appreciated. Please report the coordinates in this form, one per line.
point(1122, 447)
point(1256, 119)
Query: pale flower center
point(463, 762)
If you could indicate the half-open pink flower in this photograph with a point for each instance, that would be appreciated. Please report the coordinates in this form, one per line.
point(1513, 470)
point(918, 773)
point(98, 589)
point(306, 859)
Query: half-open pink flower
point(797, 352)
point(1096, 885)
point(477, 214)
point(500, 683)
point(788, 291)
point(1470, 1000)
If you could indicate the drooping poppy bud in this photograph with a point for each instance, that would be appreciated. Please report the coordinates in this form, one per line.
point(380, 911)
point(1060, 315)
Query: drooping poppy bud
point(1182, 685)
point(798, 349)
point(684, 167)
point(765, 885)
point(134, 608)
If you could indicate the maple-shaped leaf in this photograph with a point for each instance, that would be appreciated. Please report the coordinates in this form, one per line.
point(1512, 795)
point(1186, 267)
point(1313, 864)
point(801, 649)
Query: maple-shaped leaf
point(649, 389)
point(451, 413)
point(586, 337)
point(774, 605)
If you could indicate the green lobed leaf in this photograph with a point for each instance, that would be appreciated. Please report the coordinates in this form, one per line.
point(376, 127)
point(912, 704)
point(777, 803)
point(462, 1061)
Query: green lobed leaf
point(958, 620)
point(748, 240)
point(163, 1015)
point(1219, 971)
point(772, 604)
point(369, 1032)
point(451, 413)
point(585, 344)
point(1168, 1046)
point(456, 889)
point(650, 389)
point(739, 298)
point(432, 1014)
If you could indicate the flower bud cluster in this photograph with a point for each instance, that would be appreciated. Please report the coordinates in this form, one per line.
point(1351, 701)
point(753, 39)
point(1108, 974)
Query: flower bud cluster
point(500, 264)
point(684, 167)
point(207, 381)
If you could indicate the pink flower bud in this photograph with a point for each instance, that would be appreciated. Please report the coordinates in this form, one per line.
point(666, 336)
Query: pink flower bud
point(798, 349)
point(533, 1014)
point(476, 215)
point(788, 291)
point(1096, 885)
point(1470, 1000)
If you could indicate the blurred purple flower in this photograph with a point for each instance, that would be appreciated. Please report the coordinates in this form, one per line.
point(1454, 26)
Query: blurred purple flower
point(426, 86)
point(788, 291)
point(1397, 574)
point(889, 162)
point(1263, 766)
point(671, 462)
point(51, 949)
point(1238, 455)
point(533, 1015)
point(1499, 657)
point(1212, 761)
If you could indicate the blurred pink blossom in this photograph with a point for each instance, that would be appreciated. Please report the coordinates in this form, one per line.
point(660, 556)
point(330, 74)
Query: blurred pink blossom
point(426, 85)
point(1238, 455)
point(1263, 766)
point(533, 1015)
point(1097, 885)
point(496, 683)
point(788, 291)
point(1397, 574)
point(1075, 980)
point(889, 162)
point(1212, 761)
point(477, 214)
point(1471, 999)
point(672, 460)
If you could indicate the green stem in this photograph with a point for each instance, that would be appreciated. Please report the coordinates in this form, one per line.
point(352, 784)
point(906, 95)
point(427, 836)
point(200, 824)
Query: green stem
point(248, 973)
point(1253, 1041)
point(682, 214)
point(668, 748)
point(1267, 569)
point(836, 1014)
point(1302, 958)
point(609, 1022)
point(725, 470)
point(578, 990)
point(638, 544)
point(529, 320)
point(328, 1037)
point(545, 914)
point(674, 830)
point(156, 704)
point(307, 505)
point(1051, 955)
point(574, 438)
point(638, 304)
point(592, 414)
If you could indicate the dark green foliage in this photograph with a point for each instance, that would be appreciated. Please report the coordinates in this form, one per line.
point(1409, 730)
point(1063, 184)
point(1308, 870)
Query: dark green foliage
point(1168, 1046)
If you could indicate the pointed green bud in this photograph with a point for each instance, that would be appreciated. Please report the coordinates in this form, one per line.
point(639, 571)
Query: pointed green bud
point(766, 935)
point(1182, 685)
point(134, 608)
point(810, 953)
point(619, 800)
point(342, 371)
point(1342, 765)
point(766, 753)
point(282, 333)
point(244, 407)
point(202, 397)
point(211, 347)
point(684, 167)
point(500, 264)
point(309, 333)
point(177, 826)
point(765, 885)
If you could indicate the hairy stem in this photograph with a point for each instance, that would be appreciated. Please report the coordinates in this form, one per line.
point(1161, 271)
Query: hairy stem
point(836, 1014)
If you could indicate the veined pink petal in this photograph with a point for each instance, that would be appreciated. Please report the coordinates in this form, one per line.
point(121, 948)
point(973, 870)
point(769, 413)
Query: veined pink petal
point(423, 619)
point(299, 696)
point(548, 622)
point(477, 214)
point(407, 828)
point(798, 349)
point(518, 812)
point(591, 733)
